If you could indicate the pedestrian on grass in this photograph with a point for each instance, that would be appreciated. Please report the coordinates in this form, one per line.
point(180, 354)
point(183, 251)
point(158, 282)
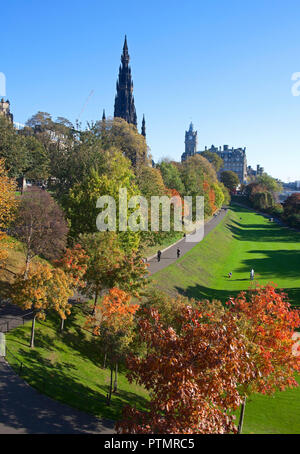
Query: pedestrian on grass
point(252, 274)
point(229, 275)
point(158, 255)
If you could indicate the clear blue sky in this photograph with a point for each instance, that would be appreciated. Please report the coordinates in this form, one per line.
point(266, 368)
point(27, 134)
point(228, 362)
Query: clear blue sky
point(225, 65)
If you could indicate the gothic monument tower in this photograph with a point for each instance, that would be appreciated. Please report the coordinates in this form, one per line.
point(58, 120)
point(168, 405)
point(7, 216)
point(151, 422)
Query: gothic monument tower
point(124, 101)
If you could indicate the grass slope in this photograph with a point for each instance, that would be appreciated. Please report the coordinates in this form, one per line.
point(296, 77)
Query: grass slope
point(244, 240)
point(67, 366)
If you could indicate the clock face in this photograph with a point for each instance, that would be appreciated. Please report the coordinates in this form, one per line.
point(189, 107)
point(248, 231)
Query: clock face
point(191, 137)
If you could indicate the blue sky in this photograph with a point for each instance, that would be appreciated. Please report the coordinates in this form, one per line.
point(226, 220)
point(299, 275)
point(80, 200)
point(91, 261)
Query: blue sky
point(225, 65)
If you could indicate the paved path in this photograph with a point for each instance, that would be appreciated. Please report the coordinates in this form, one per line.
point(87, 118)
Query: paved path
point(25, 410)
point(170, 254)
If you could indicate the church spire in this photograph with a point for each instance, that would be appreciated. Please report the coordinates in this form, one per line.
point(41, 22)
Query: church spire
point(124, 101)
point(143, 131)
point(103, 115)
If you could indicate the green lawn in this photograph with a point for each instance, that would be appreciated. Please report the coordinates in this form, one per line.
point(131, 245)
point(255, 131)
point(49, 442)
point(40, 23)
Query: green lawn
point(244, 240)
point(67, 366)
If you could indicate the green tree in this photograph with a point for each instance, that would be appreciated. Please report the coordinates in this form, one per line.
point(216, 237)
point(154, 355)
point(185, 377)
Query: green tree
point(171, 176)
point(12, 149)
point(81, 201)
point(214, 159)
point(269, 183)
point(118, 133)
point(230, 180)
point(109, 266)
point(38, 159)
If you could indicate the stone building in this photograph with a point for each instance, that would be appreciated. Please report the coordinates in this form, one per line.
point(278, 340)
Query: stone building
point(234, 158)
point(5, 109)
point(255, 172)
point(190, 143)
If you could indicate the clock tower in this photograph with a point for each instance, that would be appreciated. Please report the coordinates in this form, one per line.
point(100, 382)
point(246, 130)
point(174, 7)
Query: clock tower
point(190, 142)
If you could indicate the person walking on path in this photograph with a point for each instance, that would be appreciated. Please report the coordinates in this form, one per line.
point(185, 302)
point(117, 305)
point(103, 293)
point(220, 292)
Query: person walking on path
point(178, 252)
point(252, 274)
point(158, 255)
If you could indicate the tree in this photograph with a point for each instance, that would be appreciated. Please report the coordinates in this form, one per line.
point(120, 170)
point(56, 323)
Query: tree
point(214, 159)
point(12, 149)
point(108, 266)
point(113, 323)
point(171, 176)
point(291, 210)
point(117, 133)
point(40, 225)
point(44, 288)
point(292, 204)
point(192, 371)
point(38, 159)
point(230, 180)
point(8, 207)
point(81, 202)
point(74, 265)
point(150, 182)
point(271, 326)
point(270, 183)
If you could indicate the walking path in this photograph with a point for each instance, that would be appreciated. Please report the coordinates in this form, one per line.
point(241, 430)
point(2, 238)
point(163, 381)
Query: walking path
point(169, 255)
point(25, 410)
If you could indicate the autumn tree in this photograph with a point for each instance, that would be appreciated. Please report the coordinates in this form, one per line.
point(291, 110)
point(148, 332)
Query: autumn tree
point(82, 199)
point(113, 323)
point(109, 266)
point(272, 323)
point(8, 207)
point(214, 159)
point(43, 289)
point(116, 132)
point(193, 371)
point(74, 264)
point(291, 210)
point(40, 225)
point(230, 180)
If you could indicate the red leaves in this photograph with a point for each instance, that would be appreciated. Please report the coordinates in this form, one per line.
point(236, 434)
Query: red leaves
point(271, 326)
point(193, 373)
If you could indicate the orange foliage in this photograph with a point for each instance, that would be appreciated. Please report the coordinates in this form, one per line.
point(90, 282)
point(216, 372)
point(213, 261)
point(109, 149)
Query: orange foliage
point(270, 331)
point(115, 311)
point(193, 373)
point(74, 264)
point(8, 206)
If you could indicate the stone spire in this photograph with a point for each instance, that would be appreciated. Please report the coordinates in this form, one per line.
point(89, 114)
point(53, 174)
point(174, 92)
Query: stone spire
point(143, 131)
point(103, 115)
point(124, 100)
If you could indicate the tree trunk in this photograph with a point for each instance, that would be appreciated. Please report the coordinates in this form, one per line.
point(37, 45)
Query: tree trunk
point(110, 385)
point(62, 324)
point(116, 379)
point(32, 332)
point(104, 362)
point(27, 263)
point(95, 302)
point(242, 414)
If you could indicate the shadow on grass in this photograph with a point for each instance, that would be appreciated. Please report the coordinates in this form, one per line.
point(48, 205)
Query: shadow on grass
point(200, 292)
